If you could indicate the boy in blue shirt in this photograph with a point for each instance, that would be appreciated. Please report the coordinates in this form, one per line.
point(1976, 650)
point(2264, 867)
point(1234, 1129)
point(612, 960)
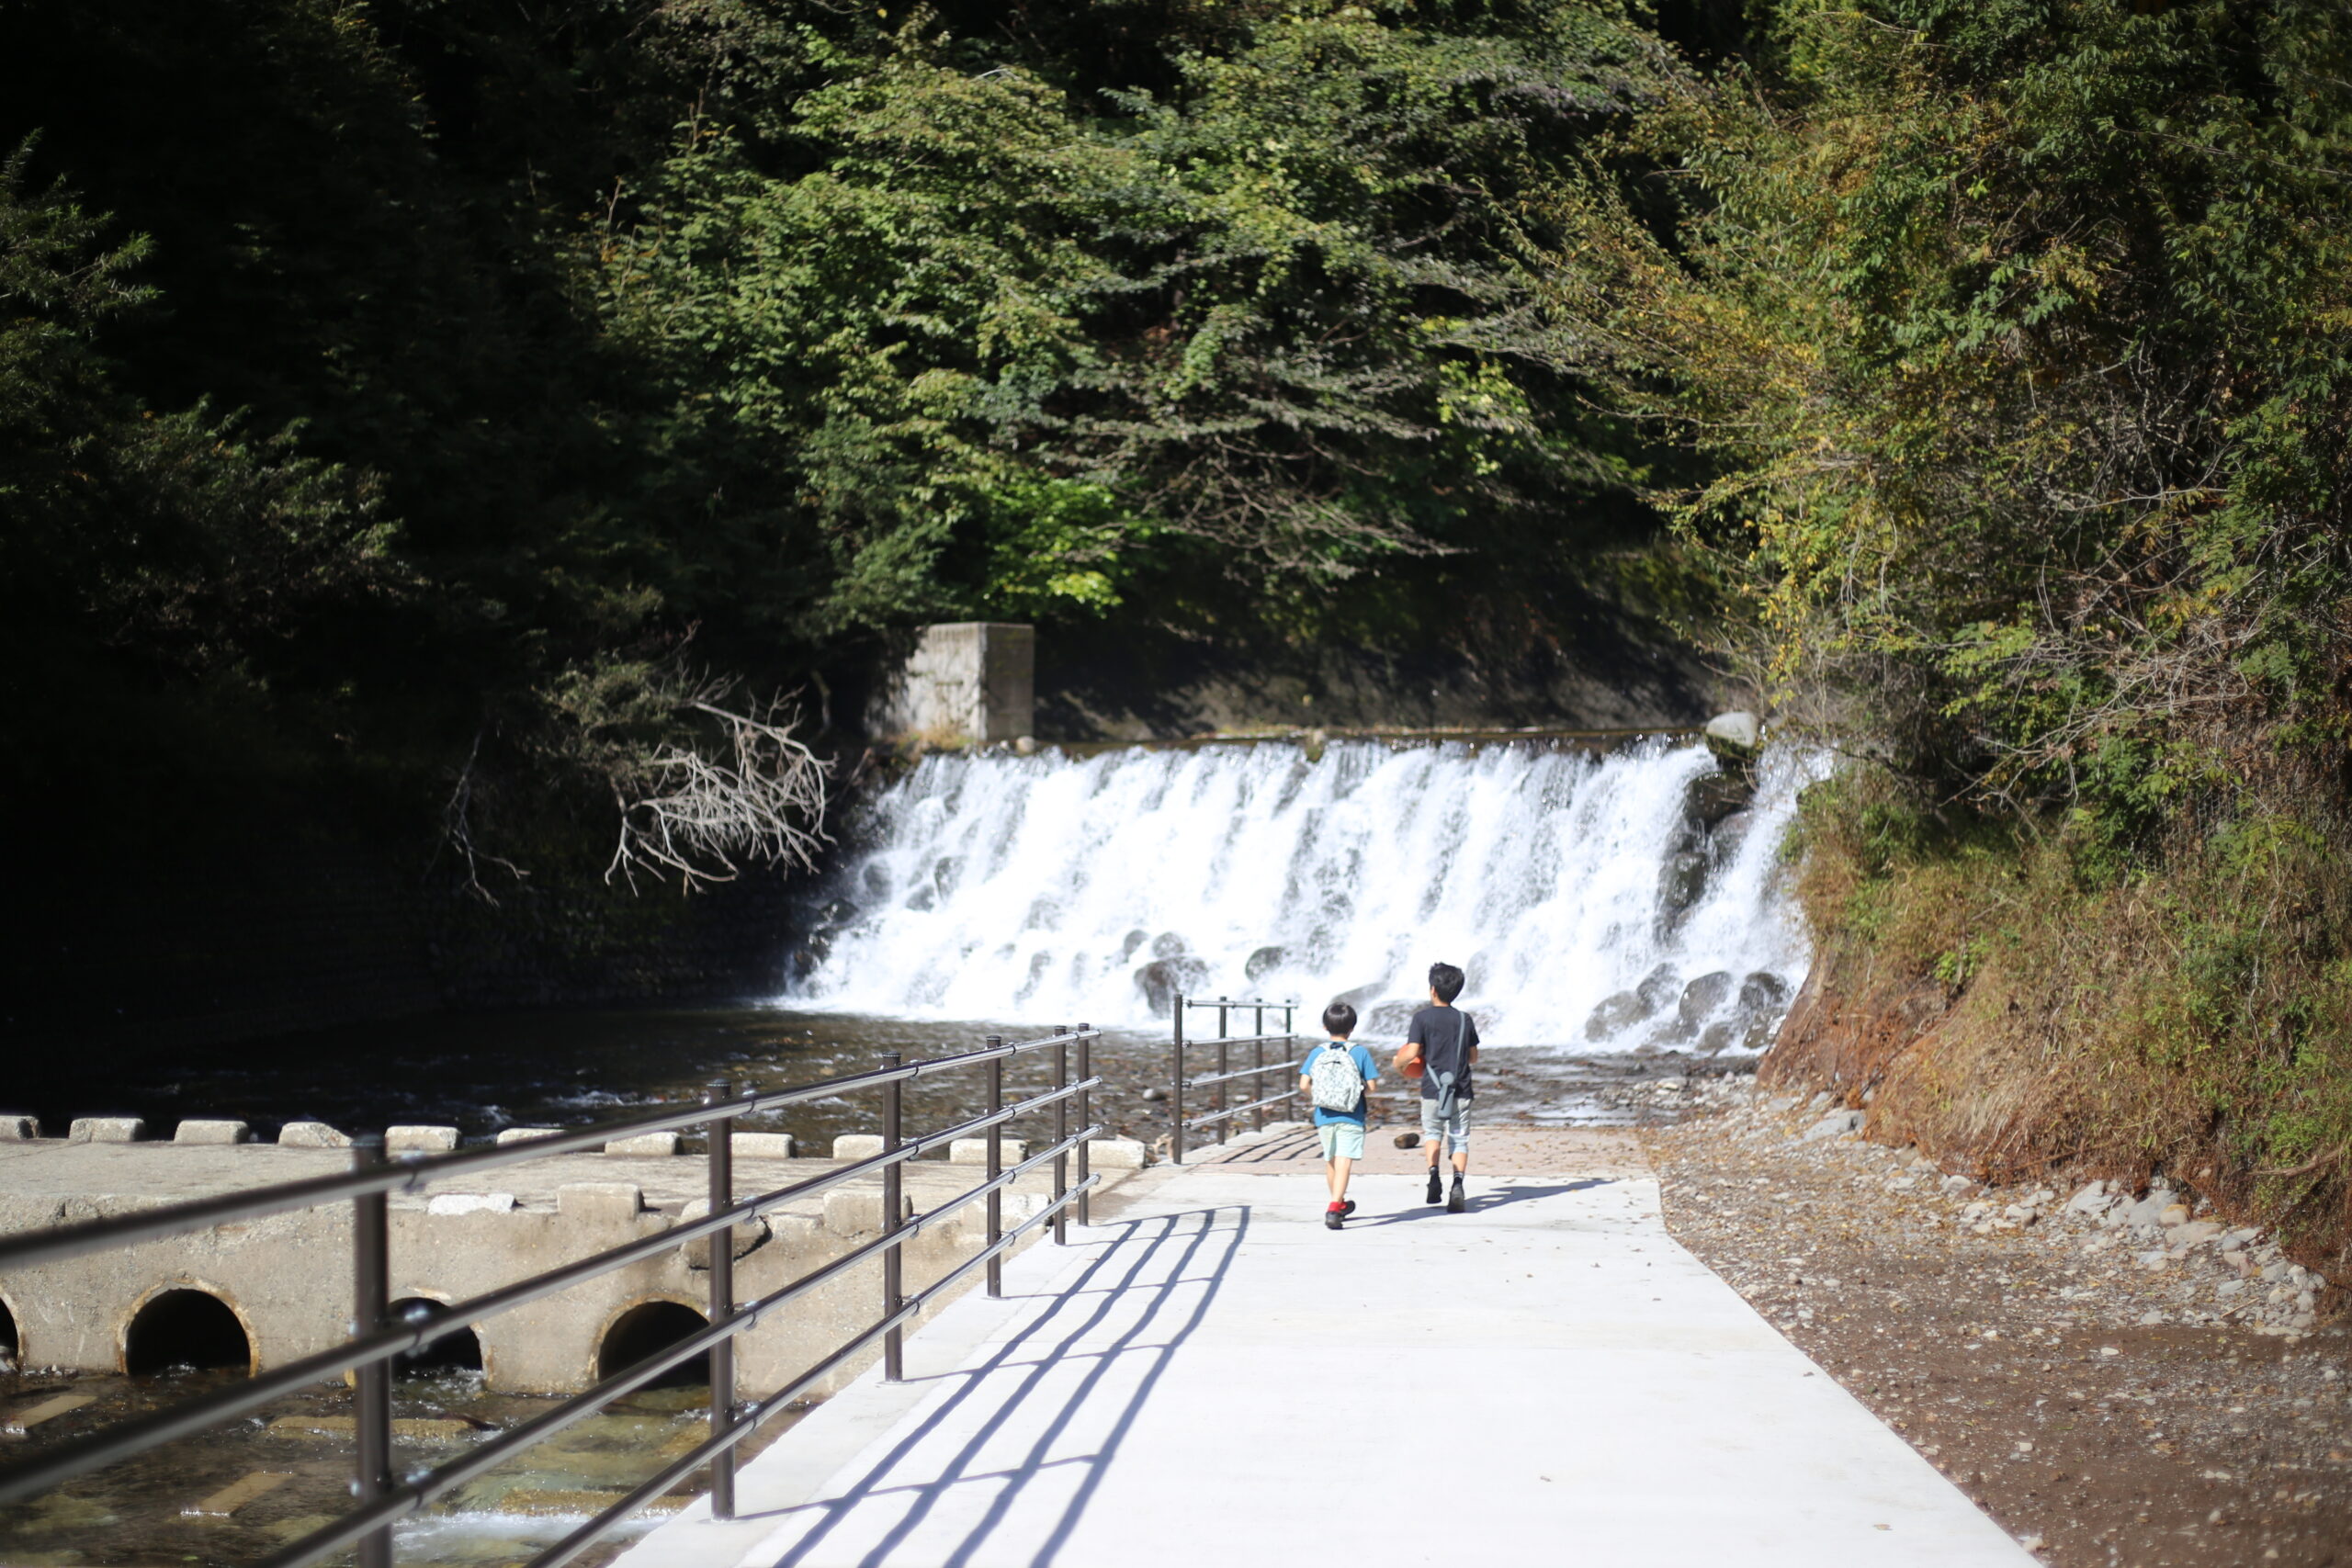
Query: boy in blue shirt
point(1337, 1080)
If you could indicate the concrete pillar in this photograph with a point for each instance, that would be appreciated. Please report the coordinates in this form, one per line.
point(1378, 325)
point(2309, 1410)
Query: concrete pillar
point(966, 681)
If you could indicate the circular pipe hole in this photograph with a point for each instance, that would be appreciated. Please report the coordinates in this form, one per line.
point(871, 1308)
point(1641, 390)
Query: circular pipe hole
point(457, 1351)
point(185, 1330)
point(646, 1328)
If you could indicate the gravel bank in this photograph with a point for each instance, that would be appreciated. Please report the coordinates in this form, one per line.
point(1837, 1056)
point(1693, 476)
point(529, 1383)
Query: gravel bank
point(2113, 1378)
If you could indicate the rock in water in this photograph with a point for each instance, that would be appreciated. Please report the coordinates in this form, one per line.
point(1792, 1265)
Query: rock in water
point(1659, 987)
point(1162, 978)
point(1734, 737)
point(1679, 882)
point(1168, 945)
point(1700, 997)
point(1614, 1013)
point(1264, 961)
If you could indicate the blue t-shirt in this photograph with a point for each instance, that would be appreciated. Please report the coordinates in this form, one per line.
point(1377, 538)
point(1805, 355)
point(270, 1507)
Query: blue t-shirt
point(1362, 1059)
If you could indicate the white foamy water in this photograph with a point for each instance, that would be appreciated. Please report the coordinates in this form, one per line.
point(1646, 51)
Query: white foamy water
point(1040, 888)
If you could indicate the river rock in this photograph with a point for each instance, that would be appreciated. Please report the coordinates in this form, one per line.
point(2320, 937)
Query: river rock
point(1263, 962)
point(1133, 939)
point(1837, 1124)
point(1168, 945)
point(1735, 736)
point(1659, 987)
point(1714, 798)
point(1680, 881)
point(1700, 998)
point(1162, 979)
point(1619, 1011)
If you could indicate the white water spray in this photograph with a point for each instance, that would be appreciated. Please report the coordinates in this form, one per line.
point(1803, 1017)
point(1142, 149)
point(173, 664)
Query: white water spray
point(1591, 907)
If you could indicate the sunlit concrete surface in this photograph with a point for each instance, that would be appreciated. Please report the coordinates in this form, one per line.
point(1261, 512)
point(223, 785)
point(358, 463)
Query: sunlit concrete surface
point(1546, 1379)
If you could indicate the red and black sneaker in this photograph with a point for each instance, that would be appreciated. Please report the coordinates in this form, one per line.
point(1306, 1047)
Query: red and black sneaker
point(1348, 1209)
point(1333, 1215)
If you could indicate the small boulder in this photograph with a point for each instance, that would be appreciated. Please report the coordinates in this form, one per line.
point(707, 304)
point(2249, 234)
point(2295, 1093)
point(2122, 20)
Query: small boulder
point(1263, 962)
point(1837, 1124)
point(1658, 988)
point(1616, 1012)
point(1700, 1000)
point(1735, 736)
point(1163, 979)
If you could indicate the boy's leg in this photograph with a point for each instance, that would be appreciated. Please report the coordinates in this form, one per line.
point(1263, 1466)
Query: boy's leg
point(1341, 1168)
point(1434, 1140)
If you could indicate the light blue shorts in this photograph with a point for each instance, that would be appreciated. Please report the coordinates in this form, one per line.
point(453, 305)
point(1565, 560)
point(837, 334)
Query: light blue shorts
point(1341, 1140)
point(1457, 1131)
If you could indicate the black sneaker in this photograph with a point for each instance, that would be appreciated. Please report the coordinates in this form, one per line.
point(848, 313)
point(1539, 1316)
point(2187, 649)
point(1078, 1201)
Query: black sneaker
point(1347, 1209)
point(1454, 1202)
point(1437, 1193)
point(1332, 1216)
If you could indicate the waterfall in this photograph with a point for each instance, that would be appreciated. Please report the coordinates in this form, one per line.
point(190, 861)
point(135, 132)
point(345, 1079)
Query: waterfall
point(1622, 901)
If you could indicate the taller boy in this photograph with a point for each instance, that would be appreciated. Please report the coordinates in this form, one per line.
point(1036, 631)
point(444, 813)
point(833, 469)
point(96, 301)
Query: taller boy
point(1445, 1043)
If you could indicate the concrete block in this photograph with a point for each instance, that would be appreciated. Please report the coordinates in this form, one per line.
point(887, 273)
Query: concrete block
point(195, 1131)
point(311, 1135)
point(746, 1235)
point(419, 1140)
point(966, 680)
point(18, 1129)
point(853, 1211)
point(644, 1144)
point(762, 1145)
point(1118, 1154)
point(107, 1130)
point(858, 1145)
point(599, 1200)
point(524, 1135)
point(469, 1204)
point(975, 1151)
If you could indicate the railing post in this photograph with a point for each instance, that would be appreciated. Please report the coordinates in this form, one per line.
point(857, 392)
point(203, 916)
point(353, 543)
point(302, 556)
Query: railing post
point(1061, 1135)
point(1224, 1064)
point(996, 1168)
point(1176, 1089)
point(894, 1349)
point(721, 1133)
point(1290, 1042)
point(1258, 1083)
point(371, 1280)
point(1085, 1118)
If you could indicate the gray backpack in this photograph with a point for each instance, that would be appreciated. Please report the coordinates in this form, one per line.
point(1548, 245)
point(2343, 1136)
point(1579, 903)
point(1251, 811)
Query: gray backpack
point(1333, 1081)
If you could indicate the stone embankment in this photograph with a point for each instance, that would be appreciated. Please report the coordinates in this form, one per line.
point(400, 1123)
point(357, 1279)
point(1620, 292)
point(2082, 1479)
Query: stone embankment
point(2116, 1377)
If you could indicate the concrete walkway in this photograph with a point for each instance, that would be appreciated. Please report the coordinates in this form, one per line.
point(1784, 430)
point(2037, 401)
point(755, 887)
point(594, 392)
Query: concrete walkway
point(1546, 1379)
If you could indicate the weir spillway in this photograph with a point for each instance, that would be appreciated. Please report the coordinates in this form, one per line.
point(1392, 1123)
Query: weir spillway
point(1616, 900)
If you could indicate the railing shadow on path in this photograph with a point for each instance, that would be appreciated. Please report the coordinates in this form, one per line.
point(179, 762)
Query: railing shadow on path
point(1139, 1284)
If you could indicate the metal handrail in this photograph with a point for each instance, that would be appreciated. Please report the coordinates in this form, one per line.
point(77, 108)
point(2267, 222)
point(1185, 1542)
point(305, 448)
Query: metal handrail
point(1215, 1116)
point(1214, 1078)
point(368, 1352)
point(1226, 1073)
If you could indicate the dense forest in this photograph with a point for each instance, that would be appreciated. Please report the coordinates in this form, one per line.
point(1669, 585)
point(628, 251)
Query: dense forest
point(455, 410)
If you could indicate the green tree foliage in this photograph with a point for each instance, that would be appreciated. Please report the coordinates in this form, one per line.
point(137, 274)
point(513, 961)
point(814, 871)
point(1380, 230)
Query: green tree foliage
point(2016, 336)
point(1015, 343)
point(581, 332)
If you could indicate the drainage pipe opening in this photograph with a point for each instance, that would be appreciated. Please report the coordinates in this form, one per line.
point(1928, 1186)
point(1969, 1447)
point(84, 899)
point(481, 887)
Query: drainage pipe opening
point(185, 1330)
point(646, 1328)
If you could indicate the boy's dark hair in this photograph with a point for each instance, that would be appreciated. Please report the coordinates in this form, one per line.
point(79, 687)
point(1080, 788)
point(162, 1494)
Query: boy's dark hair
point(1340, 1020)
point(1446, 981)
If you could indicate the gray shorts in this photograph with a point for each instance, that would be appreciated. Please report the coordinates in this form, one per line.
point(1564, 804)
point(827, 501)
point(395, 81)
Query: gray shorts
point(1455, 1132)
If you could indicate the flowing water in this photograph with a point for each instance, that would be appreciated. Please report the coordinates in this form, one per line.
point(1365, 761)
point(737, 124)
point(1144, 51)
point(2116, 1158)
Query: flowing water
point(1046, 887)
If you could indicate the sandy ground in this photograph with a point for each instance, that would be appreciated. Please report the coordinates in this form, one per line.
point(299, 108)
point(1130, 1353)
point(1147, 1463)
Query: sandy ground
point(2114, 1383)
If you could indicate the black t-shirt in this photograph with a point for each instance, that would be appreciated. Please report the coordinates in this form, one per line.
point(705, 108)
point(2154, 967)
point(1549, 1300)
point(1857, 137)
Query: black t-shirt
point(1446, 1037)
